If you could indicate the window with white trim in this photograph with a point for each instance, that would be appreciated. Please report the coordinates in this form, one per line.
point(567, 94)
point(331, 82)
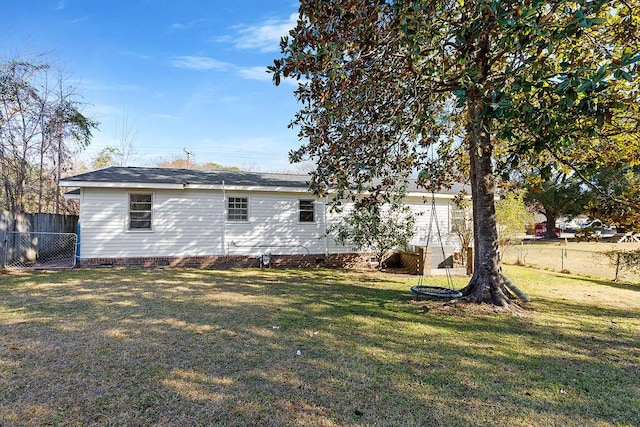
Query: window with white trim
point(306, 212)
point(238, 209)
point(458, 219)
point(140, 211)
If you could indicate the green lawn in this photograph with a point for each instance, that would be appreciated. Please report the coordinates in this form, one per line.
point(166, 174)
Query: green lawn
point(196, 347)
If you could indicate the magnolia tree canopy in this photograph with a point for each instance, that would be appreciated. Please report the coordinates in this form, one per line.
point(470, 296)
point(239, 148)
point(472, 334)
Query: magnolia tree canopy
point(487, 86)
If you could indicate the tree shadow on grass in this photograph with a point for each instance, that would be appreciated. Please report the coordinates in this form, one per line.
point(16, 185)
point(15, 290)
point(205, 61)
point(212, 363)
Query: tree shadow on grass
point(199, 347)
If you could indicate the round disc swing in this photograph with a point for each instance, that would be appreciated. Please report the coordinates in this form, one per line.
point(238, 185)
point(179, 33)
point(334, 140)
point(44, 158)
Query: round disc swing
point(429, 291)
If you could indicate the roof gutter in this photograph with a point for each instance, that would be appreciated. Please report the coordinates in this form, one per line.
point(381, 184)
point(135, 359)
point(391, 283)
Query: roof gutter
point(182, 186)
point(93, 184)
point(227, 187)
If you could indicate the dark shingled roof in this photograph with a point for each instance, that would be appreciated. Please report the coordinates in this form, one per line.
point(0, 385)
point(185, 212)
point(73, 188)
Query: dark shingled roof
point(188, 176)
point(209, 177)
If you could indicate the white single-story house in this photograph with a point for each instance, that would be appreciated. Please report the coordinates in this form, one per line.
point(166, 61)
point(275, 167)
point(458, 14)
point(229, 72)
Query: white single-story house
point(135, 216)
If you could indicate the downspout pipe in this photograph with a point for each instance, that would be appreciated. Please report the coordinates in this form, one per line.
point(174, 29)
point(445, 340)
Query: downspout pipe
point(325, 233)
point(224, 220)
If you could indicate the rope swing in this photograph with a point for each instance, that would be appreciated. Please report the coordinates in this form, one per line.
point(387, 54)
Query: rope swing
point(430, 291)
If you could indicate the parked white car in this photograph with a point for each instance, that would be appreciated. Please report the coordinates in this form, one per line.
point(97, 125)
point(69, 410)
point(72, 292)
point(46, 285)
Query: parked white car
point(599, 228)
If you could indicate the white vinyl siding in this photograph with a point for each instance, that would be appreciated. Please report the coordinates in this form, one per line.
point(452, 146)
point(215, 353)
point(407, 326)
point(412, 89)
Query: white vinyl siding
point(425, 233)
point(273, 226)
point(194, 223)
point(427, 227)
point(183, 224)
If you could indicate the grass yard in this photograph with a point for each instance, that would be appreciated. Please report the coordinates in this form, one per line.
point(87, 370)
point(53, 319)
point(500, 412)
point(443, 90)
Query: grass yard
point(194, 347)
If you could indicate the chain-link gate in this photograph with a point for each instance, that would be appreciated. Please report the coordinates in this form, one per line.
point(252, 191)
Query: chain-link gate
point(39, 250)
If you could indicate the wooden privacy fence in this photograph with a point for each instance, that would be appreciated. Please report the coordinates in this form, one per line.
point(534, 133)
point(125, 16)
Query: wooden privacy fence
point(22, 233)
point(38, 222)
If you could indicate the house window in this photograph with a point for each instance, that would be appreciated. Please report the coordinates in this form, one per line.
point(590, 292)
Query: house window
point(306, 211)
point(140, 212)
point(458, 220)
point(238, 209)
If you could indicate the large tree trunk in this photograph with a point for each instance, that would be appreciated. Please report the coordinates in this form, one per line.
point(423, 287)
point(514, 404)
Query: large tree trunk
point(550, 233)
point(486, 283)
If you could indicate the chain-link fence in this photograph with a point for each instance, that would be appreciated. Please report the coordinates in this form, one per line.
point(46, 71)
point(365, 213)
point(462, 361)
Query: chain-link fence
point(568, 260)
point(39, 250)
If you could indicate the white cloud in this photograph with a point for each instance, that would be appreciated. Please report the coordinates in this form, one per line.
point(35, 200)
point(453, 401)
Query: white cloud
point(102, 111)
point(255, 73)
point(198, 63)
point(78, 20)
point(266, 36)
point(94, 85)
point(179, 26)
point(164, 116)
point(260, 74)
point(231, 99)
point(134, 54)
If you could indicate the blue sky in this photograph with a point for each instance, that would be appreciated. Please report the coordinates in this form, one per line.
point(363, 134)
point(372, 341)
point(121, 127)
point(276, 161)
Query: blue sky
point(186, 74)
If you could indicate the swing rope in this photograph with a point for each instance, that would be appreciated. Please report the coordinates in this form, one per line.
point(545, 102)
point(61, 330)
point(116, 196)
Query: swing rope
point(436, 291)
point(444, 256)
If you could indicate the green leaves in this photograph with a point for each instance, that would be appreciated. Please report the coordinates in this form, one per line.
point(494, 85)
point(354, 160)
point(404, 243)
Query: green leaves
point(461, 97)
point(376, 227)
point(527, 83)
